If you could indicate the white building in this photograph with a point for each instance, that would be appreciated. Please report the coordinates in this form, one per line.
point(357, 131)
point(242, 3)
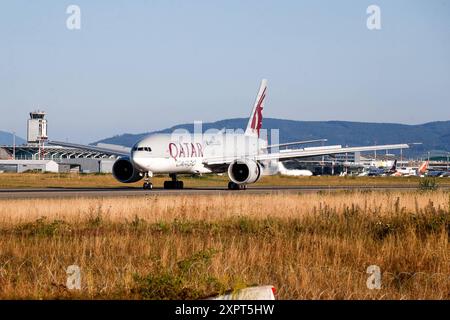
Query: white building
point(25, 165)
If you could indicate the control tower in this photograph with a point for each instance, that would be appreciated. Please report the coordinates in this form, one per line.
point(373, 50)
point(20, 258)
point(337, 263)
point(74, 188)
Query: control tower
point(37, 127)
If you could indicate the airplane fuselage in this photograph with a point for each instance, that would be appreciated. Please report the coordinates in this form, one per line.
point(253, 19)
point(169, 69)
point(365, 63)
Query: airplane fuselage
point(244, 156)
point(184, 153)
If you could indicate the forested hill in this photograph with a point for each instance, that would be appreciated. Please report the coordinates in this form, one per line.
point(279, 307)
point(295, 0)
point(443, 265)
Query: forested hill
point(435, 136)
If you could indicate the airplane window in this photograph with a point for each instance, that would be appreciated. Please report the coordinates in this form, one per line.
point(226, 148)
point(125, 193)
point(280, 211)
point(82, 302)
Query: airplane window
point(148, 149)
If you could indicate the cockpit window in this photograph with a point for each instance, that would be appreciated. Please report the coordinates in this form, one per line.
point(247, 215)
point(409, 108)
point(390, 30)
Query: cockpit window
point(148, 149)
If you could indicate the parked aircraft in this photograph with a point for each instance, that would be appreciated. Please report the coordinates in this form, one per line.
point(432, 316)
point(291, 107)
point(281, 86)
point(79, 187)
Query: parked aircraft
point(293, 172)
point(380, 171)
point(438, 173)
point(241, 155)
point(412, 171)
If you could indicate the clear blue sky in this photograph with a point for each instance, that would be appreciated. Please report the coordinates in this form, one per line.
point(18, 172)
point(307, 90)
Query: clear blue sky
point(137, 66)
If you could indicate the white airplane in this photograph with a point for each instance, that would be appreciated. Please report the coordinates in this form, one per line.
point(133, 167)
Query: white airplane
point(412, 171)
point(242, 156)
point(293, 172)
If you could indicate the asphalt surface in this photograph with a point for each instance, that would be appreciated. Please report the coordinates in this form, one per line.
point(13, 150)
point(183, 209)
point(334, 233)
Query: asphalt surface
point(124, 192)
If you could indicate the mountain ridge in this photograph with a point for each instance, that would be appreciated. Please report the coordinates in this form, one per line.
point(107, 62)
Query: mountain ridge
point(435, 135)
point(6, 138)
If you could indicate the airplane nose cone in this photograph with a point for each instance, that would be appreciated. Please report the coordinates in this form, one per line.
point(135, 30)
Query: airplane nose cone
point(138, 161)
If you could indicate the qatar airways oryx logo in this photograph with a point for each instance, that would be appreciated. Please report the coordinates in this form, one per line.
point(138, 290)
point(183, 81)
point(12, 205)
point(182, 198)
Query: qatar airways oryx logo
point(185, 150)
point(257, 116)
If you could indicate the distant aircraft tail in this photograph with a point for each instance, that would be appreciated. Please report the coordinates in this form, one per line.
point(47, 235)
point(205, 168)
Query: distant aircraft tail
point(393, 169)
point(256, 117)
point(423, 168)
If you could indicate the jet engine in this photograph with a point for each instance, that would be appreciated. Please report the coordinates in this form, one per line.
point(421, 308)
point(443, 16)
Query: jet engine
point(124, 171)
point(244, 171)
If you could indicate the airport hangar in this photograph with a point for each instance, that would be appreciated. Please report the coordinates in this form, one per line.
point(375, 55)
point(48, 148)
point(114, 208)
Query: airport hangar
point(36, 155)
point(29, 158)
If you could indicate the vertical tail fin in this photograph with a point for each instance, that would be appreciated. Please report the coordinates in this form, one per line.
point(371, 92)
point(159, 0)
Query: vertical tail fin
point(423, 168)
point(255, 120)
point(394, 167)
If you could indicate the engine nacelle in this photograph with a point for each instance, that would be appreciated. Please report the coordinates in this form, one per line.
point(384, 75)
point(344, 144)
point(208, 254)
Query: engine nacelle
point(244, 171)
point(124, 171)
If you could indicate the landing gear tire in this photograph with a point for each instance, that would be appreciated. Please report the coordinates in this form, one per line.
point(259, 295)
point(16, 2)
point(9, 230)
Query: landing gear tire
point(235, 186)
point(148, 186)
point(173, 184)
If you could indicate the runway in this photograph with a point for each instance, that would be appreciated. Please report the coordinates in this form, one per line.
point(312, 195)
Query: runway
point(136, 192)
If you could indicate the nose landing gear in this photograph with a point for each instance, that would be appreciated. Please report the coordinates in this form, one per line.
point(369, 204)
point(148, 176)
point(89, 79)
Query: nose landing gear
point(174, 183)
point(147, 184)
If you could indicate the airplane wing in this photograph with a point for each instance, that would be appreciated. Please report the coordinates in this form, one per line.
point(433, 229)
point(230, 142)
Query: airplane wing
point(111, 151)
point(294, 143)
point(302, 153)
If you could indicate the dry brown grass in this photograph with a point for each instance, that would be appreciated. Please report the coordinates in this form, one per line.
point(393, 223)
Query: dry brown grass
point(310, 246)
point(47, 180)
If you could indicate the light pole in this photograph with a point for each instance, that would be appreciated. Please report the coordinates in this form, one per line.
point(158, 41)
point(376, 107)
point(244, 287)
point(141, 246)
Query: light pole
point(14, 145)
point(375, 152)
point(448, 154)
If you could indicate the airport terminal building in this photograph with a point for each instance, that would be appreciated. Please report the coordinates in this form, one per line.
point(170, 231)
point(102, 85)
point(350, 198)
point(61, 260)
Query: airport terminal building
point(37, 155)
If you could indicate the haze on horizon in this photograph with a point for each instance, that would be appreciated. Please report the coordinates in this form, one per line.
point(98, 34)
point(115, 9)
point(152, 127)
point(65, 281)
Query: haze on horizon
point(147, 65)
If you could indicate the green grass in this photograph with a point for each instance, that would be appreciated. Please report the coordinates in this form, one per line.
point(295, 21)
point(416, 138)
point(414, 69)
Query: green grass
point(52, 180)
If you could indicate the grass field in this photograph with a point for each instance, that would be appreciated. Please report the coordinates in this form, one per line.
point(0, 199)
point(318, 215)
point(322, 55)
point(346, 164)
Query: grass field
point(49, 180)
point(309, 246)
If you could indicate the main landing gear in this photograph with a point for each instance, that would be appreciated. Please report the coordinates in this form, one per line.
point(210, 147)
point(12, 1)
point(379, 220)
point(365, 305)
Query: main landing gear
point(147, 184)
point(235, 186)
point(174, 183)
